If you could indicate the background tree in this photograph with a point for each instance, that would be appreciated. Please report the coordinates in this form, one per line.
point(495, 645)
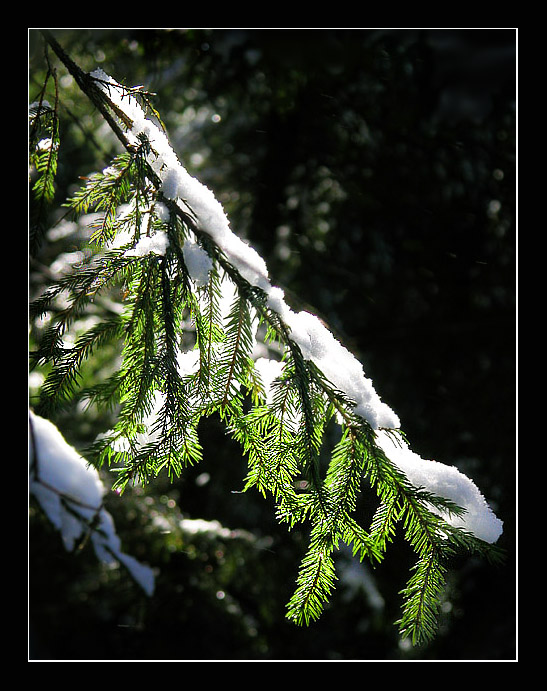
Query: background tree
point(394, 153)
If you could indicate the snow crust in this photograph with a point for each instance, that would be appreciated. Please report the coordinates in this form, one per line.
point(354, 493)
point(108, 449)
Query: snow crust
point(70, 492)
point(315, 341)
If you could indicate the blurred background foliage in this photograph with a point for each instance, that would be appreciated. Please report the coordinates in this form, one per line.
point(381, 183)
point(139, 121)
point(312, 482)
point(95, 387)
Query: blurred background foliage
point(375, 171)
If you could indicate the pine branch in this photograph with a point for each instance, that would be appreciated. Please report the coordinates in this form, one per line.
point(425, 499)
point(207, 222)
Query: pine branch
point(44, 143)
point(80, 288)
point(87, 85)
point(61, 383)
point(139, 374)
point(315, 582)
point(235, 360)
point(422, 599)
point(209, 332)
point(387, 515)
point(106, 191)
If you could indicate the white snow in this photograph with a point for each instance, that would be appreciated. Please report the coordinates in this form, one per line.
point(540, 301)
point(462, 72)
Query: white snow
point(198, 262)
point(188, 362)
point(444, 481)
point(153, 244)
point(70, 492)
point(44, 144)
point(307, 331)
point(268, 370)
point(340, 366)
point(194, 526)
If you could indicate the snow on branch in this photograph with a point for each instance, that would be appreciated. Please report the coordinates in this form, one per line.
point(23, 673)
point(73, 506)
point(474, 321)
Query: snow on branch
point(314, 340)
point(70, 492)
point(306, 330)
point(447, 482)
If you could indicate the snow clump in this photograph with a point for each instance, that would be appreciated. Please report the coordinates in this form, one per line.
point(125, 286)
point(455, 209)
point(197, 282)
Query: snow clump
point(70, 492)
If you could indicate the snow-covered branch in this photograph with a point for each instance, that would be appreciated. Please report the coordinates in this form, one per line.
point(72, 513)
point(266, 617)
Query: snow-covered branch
point(70, 492)
point(312, 337)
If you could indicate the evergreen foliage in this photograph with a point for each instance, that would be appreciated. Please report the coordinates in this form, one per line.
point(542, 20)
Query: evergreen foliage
point(159, 403)
point(43, 154)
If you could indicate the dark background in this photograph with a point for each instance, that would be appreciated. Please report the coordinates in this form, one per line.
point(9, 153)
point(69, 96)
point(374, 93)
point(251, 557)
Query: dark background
point(375, 171)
